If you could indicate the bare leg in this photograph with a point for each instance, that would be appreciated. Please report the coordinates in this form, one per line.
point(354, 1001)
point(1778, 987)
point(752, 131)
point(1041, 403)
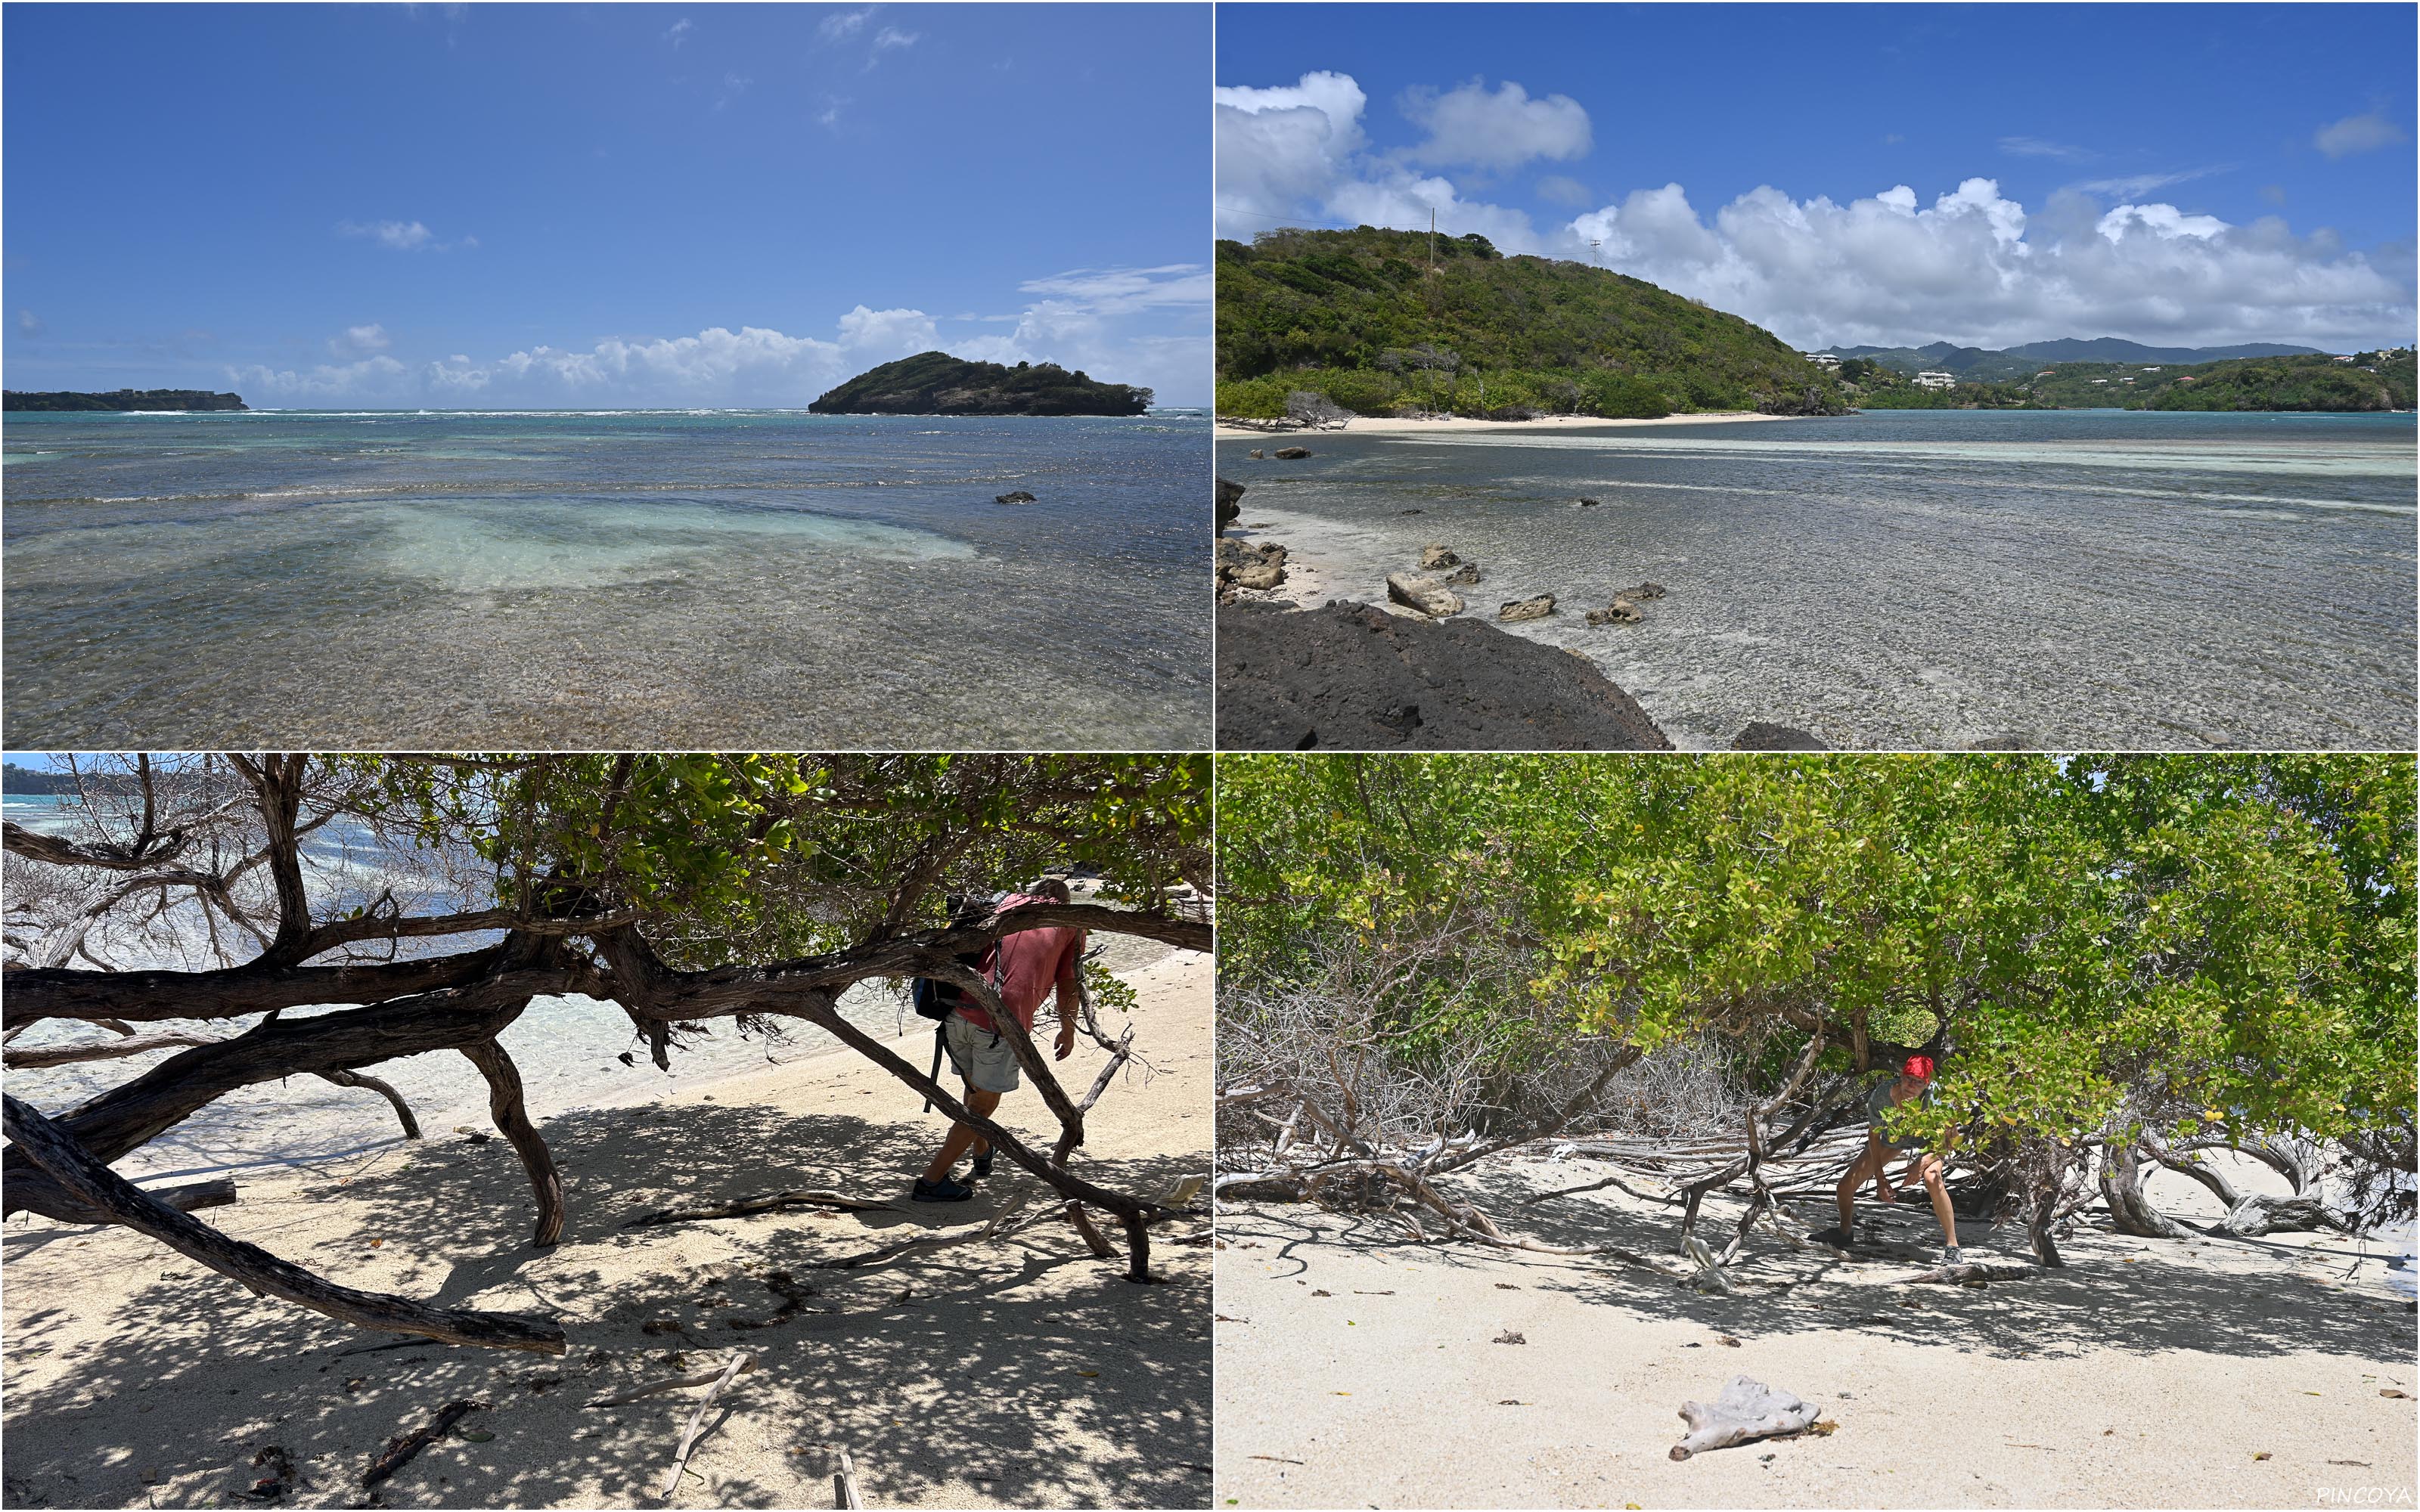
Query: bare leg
point(963, 1136)
point(1869, 1165)
point(1930, 1169)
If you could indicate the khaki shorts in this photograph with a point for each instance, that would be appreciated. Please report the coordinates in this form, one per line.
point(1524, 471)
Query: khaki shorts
point(980, 1055)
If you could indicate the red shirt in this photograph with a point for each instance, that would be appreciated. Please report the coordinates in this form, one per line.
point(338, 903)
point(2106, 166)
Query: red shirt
point(1031, 963)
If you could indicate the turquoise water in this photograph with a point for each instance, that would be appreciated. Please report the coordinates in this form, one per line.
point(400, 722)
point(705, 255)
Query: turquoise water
point(614, 578)
point(1922, 580)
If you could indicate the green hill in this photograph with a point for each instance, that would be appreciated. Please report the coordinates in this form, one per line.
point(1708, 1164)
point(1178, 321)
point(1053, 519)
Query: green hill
point(123, 399)
point(937, 383)
point(1361, 317)
point(1980, 364)
point(2370, 382)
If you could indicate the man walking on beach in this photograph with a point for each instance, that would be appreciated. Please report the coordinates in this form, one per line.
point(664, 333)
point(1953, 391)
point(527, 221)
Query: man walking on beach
point(1031, 962)
point(1913, 1082)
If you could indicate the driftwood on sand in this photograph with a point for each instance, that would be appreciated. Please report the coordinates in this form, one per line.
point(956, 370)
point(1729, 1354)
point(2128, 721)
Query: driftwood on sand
point(703, 1378)
point(697, 1425)
point(1748, 1409)
point(1974, 1275)
point(772, 1202)
point(402, 1451)
point(844, 1492)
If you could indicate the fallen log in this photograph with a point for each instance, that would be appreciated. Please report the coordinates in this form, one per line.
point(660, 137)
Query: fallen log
point(403, 1451)
point(92, 1184)
point(749, 1207)
point(186, 1198)
point(1748, 1409)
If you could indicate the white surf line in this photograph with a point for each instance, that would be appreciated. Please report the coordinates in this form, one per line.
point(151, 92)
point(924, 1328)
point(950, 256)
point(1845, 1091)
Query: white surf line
point(2383, 462)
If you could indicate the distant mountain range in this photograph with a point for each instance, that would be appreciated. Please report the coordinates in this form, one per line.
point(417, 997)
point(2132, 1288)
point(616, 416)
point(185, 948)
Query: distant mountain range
point(1982, 365)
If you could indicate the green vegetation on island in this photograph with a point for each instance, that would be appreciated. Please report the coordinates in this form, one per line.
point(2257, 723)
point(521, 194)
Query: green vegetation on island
point(935, 383)
point(123, 400)
point(1398, 322)
point(2360, 382)
point(1981, 364)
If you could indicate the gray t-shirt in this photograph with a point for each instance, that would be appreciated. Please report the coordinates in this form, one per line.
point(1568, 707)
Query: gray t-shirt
point(1878, 1103)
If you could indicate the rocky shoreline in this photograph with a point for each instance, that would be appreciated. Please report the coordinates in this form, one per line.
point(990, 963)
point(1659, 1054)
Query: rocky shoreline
point(1411, 673)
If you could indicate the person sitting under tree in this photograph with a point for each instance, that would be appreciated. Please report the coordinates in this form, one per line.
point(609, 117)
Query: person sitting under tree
point(1029, 963)
point(1913, 1082)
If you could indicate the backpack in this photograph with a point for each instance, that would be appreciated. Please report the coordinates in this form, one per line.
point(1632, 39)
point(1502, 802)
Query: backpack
point(938, 1000)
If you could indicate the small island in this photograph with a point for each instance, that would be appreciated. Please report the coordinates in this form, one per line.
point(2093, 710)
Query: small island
point(935, 383)
point(125, 399)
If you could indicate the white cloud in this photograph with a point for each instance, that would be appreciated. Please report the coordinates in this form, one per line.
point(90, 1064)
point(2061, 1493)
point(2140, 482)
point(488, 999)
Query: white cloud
point(2365, 133)
point(1501, 129)
point(829, 115)
point(2160, 220)
point(1972, 266)
point(28, 323)
point(888, 333)
point(403, 236)
point(2034, 146)
point(679, 32)
point(891, 37)
point(1125, 291)
point(842, 25)
point(358, 340)
point(734, 85)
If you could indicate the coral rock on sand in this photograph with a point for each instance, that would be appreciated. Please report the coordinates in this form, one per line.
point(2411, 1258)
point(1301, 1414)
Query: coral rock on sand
point(1351, 676)
point(1760, 735)
point(1250, 566)
point(1426, 594)
point(1620, 611)
point(1434, 557)
point(1528, 608)
point(1291, 454)
point(1014, 496)
point(1748, 1409)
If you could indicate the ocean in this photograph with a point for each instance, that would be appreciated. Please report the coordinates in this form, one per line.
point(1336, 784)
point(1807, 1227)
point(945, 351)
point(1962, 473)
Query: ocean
point(1927, 579)
point(626, 580)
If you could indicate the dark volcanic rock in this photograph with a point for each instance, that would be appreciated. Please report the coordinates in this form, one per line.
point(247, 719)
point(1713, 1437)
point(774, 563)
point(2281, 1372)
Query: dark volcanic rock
point(1291, 454)
point(1231, 497)
point(1351, 677)
point(1760, 735)
point(1014, 496)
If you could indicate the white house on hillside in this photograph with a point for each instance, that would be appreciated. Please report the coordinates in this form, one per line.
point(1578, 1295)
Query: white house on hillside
point(1936, 380)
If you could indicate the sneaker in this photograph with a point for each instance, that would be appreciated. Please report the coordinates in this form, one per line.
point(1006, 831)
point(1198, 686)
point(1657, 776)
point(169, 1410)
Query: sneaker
point(1837, 1238)
point(1949, 1255)
point(943, 1190)
point(982, 1165)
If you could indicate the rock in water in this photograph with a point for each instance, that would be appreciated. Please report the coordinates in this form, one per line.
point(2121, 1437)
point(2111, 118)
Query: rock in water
point(1528, 608)
point(1465, 575)
point(1344, 676)
point(1231, 497)
point(1434, 557)
point(1641, 595)
point(1426, 594)
point(1760, 735)
point(1292, 454)
point(1255, 455)
point(1589, 503)
point(1014, 496)
point(1620, 611)
point(1748, 1409)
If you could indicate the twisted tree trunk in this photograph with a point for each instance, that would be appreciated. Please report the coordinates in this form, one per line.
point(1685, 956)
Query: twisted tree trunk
point(94, 1187)
point(508, 1107)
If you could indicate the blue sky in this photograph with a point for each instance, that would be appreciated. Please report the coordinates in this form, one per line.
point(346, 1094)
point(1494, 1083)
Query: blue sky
point(498, 206)
point(1992, 175)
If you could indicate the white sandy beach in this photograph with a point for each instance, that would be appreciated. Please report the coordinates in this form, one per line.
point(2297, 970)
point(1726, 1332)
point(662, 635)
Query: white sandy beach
point(1397, 425)
point(1021, 1373)
point(1356, 1368)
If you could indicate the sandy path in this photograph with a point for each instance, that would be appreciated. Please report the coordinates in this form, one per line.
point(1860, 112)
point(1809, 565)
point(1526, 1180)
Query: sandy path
point(2151, 1373)
point(1024, 1373)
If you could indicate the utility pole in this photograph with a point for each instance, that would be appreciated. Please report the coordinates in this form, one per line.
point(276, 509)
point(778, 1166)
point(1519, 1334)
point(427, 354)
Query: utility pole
point(1431, 240)
point(1593, 244)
